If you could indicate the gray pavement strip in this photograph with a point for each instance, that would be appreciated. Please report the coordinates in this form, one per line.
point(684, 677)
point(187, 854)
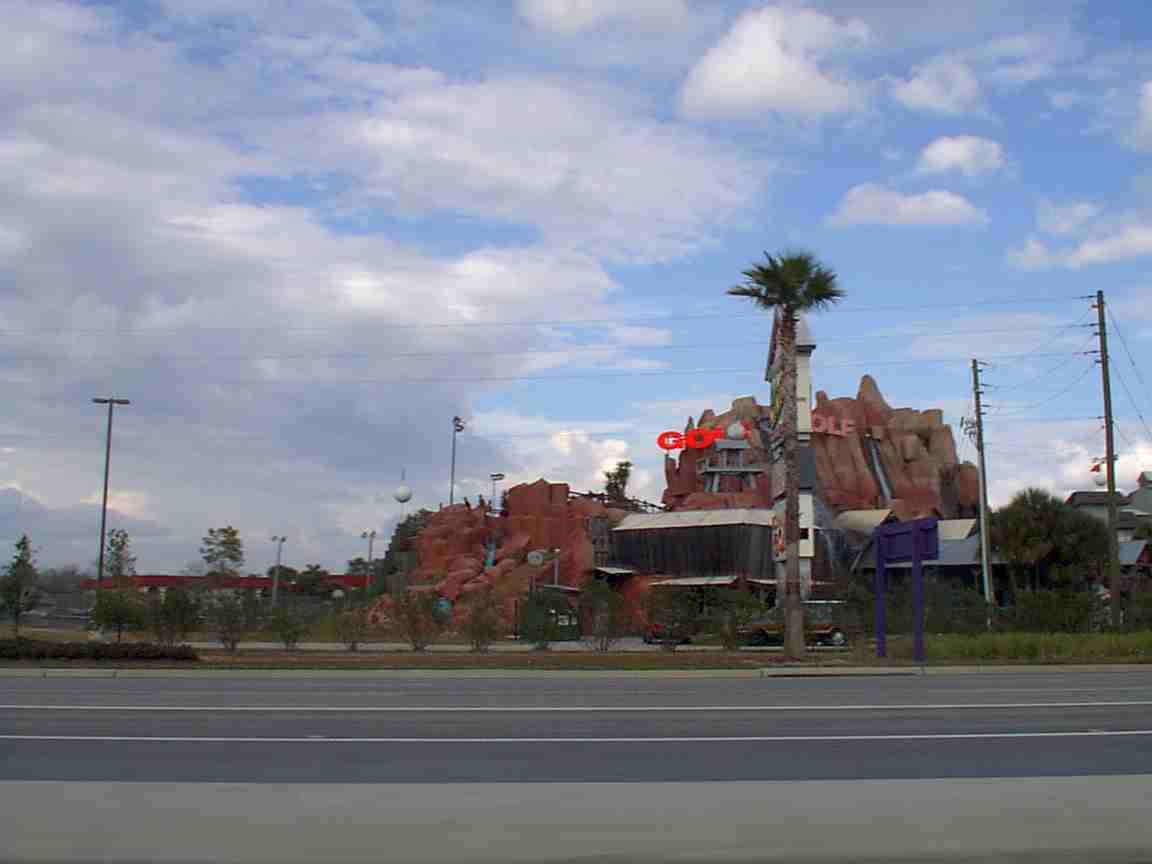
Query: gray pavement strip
point(764, 672)
point(1011, 819)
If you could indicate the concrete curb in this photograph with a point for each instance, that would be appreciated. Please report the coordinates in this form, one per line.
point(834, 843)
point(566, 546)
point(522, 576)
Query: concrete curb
point(774, 672)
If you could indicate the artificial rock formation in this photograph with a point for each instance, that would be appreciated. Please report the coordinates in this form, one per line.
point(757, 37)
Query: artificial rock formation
point(452, 549)
point(915, 450)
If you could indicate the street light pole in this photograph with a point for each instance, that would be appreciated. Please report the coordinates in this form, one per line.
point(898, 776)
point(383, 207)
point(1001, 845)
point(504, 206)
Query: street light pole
point(279, 541)
point(457, 426)
point(370, 536)
point(111, 402)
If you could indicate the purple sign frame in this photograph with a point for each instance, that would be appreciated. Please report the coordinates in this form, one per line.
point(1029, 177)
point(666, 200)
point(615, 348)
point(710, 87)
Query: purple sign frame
point(916, 540)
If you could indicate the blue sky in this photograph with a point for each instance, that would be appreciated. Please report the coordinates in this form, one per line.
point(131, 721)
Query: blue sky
point(300, 236)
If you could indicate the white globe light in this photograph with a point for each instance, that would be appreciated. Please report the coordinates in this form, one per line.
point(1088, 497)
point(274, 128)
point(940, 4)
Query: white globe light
point(403, 493)
point(735, 430)
point(1101, 480)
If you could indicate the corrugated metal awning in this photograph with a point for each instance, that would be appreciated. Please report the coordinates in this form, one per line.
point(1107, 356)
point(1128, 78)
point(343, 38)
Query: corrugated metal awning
point(696, 582)
point(616, 571)
point(862, 521)
point(955, 529)
point(757, 516)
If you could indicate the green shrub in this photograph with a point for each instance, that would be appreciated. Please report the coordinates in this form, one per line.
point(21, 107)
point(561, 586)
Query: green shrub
point(351, 627)
point(676, 614)
point(225, 616)
point(730, 616)
point(1051, 612)
point(604, 614)
point(1032, 647)
point(289, 624)
point(419, 617)
point(31, 649)
point(172, 617)
point(540, 613)
point(118, 610)
point(481, 621)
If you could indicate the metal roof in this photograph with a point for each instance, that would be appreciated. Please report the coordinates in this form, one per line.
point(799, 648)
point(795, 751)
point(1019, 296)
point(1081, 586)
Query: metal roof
point(863, 521)
point(955, 529)
point(761, 516)
point(1131, 551)
point(696, 582)
point(616, 571)
point(953, 553)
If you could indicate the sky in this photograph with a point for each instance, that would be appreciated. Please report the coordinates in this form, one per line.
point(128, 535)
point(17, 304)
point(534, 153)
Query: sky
point(301, 235)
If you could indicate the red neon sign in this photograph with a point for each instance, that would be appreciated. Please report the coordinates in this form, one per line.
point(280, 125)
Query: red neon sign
point(699, 438)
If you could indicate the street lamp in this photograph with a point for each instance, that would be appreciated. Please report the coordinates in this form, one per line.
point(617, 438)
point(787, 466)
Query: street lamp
point(457, 426)
point(111, 402)
point(279, 541)
point(370, 536)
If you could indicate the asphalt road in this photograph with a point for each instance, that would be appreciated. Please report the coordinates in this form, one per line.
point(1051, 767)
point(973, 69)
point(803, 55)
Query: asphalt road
point(1083, 740)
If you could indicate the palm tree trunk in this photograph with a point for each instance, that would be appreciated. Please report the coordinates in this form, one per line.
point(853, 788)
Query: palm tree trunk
point(793, 609)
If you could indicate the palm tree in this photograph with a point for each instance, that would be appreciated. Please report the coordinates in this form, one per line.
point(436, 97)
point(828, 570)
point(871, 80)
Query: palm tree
point(1026, 531)
point(790, 284)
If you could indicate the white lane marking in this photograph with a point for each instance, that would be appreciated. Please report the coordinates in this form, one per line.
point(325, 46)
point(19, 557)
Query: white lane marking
point(739, 739)
point(561, 709)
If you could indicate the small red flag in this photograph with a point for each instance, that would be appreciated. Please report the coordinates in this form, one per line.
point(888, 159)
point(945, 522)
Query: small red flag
point(1096, 466)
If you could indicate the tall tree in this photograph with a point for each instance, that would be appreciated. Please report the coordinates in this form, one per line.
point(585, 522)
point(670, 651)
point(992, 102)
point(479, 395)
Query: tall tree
point(789, 285)
point(18, 584)
point(222, 551)
point(1037, 531)
point(616, 481)
point(120, 563)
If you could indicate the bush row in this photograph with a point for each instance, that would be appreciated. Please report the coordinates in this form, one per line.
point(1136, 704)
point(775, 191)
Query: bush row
point(1033, 647)
point(32, 649)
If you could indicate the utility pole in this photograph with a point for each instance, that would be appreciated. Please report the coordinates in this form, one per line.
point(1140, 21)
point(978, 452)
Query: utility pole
point(1110, 462)
point(279, 541)
point(985, 564)
point(457, 426)
point(370, 536)
point(111, 402)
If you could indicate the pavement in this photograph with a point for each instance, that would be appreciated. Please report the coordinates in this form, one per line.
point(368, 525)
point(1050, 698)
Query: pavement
point(562, 767)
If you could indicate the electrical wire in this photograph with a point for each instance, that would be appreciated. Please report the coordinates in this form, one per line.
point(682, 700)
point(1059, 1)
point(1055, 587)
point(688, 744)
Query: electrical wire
point(1131, 359)
point(576, 322)
point(574, 349)
point(1055, 395)
point(1045, 372)
point(1131, 399)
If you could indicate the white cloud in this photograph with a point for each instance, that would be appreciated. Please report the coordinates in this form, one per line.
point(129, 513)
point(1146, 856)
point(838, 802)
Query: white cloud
point(871, 204)
point(1142, 133)
point(1068, 218)
point(574, 16)
point(471, 148)
point(1121, 244)
point(1033, 255)
point(941, 86)
point(772, 60)
point(967, 154)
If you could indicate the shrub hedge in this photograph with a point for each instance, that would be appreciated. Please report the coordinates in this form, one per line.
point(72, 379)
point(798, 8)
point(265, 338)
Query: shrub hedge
point(33, 649)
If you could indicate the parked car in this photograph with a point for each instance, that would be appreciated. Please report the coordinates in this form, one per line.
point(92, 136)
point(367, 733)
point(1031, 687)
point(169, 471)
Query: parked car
point(654, 635)
point(823, 625)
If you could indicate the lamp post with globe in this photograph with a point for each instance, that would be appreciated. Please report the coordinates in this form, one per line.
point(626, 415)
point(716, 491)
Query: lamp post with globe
point(402, 494)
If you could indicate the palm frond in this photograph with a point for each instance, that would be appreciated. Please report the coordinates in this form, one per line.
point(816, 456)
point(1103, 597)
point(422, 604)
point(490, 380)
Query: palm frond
point(794, 280)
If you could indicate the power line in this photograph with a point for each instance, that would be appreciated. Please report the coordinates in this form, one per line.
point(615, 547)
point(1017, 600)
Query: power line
point(733, 313)
point(344, 355)
point(1055, 395)
point(1132, 401)
point(1131, 359)
point(1044, 373)
point(740, 370)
